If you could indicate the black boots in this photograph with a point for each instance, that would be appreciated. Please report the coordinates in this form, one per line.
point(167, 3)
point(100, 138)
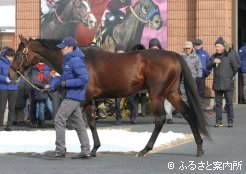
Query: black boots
point(41, 124)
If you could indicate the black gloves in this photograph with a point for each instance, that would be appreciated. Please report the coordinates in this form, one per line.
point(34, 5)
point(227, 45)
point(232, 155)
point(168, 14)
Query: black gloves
point(63, 84)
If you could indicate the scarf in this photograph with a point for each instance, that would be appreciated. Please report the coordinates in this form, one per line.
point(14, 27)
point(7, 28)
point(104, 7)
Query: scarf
point(40, 76)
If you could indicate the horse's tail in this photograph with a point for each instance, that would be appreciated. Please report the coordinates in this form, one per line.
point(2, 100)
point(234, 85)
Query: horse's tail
point(195, 110)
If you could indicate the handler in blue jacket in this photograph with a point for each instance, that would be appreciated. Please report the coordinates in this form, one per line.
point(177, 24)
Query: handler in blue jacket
point(242, 54)
point(8, 88)
point(74, 79)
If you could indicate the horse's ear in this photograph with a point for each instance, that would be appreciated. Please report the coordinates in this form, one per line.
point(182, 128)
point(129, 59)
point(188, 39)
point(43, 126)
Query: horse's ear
point(23, 40)
point(21, 37)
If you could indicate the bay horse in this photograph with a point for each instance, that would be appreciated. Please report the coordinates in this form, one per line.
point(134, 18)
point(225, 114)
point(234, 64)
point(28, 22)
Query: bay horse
point(129, 32)
point(113, 75)
point(63, 21)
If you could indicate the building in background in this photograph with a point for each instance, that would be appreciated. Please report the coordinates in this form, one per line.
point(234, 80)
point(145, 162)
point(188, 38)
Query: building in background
point(186, 20)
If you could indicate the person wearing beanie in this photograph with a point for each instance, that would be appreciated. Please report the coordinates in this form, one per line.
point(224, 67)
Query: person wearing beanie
point(224, 68)
point(140, 97)
point(204, 58)
point(220, 41)
point(119, 48)
point(155, 44)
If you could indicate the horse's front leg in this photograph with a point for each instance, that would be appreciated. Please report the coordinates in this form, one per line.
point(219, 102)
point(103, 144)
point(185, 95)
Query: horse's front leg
point(157, 107)
point(89, 109)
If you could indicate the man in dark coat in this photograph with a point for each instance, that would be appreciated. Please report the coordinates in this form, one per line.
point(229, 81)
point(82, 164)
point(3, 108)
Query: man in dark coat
point(224, 68)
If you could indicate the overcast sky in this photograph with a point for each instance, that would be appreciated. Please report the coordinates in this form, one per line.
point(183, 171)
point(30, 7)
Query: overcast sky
point(7, 14)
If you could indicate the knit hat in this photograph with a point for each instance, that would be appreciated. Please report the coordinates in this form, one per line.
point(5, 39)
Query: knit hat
point(138, 47)
point(154, 42)
point(197, 42)
point(220, 41)
point(188, 44)
point(119, 47)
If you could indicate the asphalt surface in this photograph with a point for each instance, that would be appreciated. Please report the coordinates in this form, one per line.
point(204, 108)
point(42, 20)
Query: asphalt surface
point(225, 154)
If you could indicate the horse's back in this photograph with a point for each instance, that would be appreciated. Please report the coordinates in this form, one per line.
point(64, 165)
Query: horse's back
point(124, 74)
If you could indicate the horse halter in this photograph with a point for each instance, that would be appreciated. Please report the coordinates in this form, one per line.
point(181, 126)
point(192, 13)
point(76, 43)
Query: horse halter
point(150, 15)
point(24, 58)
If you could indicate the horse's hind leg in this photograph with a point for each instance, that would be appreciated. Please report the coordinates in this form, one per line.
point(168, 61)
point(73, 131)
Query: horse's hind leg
point(158, 110)
point(180, 106)
point(89, 109)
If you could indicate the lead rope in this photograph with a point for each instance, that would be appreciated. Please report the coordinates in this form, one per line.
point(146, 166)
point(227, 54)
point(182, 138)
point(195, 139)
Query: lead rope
point(34, 86)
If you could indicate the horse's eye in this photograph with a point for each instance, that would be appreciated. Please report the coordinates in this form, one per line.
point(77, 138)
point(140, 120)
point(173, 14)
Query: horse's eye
point(144, 9)
point(78, 4)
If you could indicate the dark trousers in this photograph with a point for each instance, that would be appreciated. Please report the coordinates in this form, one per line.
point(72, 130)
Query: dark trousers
point(10, 96)
point(131, 105)
point(117, 109)
point(229, 106)
point(200, 83)
point(141, 98)
point(131, 101)
point(32, 110)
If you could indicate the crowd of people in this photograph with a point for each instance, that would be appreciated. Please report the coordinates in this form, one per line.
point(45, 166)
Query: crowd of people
point(22, 100)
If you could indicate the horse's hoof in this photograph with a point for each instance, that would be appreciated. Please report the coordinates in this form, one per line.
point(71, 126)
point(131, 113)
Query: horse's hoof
point(200, 153)
point(140, 155)
point(93, 154)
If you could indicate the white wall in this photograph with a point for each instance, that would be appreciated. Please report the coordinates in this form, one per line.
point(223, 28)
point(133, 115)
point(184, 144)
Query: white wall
point(7, 13)
point(7, 2)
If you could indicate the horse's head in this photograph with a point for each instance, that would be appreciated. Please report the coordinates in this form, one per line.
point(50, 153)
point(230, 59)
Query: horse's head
point(75, 11)
point(149, 13)
point(23, 60)
point(86, 15)
point(82, 9)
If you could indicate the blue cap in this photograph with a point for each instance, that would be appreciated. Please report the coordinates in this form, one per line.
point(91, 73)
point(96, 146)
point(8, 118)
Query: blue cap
point(67, 41)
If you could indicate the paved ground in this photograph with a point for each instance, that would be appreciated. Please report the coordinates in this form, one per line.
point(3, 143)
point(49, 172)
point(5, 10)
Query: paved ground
point(225, 154)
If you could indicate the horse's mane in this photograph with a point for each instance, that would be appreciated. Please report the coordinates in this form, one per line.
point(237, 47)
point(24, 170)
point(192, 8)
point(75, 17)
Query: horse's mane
point(49, 43)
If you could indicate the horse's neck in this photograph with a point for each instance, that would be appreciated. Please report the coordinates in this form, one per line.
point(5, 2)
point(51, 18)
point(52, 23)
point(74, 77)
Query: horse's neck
point(53, 59)
point(130, 30)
